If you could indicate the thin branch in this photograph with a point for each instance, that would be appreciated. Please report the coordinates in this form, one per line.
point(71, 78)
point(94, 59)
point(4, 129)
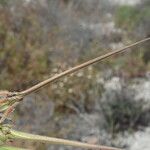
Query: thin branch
point(78, 67)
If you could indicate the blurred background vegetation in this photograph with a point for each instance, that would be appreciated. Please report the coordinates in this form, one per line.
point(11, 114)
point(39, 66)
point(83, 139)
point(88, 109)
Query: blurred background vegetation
point(100, 104)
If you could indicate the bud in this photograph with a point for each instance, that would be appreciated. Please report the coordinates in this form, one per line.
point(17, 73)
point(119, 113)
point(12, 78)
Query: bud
point(5, 133)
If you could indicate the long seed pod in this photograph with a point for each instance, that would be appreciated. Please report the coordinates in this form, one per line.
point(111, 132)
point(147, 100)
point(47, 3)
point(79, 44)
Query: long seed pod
point(78, 67)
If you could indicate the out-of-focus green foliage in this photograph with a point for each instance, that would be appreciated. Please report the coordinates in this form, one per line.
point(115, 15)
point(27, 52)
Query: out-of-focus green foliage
point(20, 49)
point(129, 17)
point(4, 2)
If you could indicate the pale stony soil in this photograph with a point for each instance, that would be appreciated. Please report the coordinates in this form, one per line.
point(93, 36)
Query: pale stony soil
point(140, 140)
point(125, 2)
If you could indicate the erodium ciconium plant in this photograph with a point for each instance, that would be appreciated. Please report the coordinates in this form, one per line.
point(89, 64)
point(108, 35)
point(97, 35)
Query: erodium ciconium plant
point(9, 100)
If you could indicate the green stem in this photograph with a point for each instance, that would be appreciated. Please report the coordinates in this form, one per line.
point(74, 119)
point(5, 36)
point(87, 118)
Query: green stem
point(10, 148)
point(57, 141)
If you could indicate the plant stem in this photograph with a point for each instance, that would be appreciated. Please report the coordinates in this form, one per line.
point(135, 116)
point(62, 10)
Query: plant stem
point(57, 141)
point(11, 148)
